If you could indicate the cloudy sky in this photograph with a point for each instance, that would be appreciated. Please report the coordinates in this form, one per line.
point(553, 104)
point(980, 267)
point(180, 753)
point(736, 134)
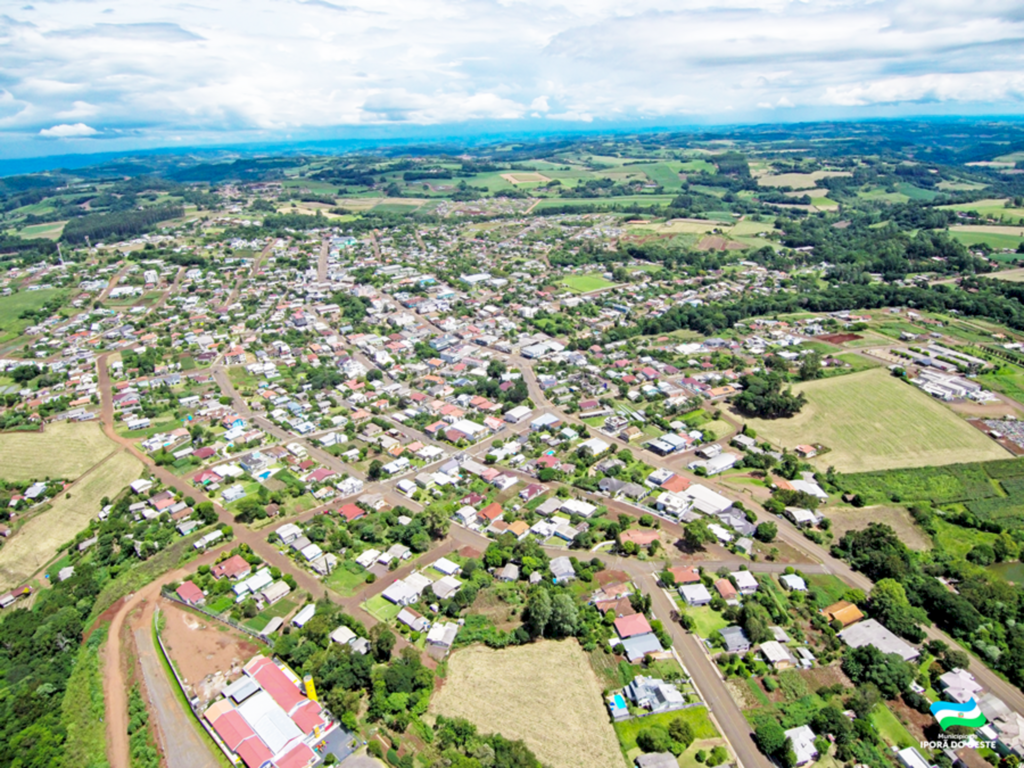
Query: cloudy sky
point(101, 75)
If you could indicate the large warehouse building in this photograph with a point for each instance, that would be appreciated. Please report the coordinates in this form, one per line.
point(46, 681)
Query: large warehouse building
point(266, 720)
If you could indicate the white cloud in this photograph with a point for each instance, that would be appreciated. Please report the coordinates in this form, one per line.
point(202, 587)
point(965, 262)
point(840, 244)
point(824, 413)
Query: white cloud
point(243, 66)
point(67, 131)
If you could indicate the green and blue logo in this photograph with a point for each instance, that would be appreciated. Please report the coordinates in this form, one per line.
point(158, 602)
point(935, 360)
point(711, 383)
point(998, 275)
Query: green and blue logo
point(967, 715)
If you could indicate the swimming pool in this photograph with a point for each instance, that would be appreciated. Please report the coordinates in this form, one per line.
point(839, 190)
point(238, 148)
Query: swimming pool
point(620, 703)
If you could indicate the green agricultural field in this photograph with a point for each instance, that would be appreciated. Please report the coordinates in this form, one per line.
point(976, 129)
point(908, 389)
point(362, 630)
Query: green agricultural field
point(51, 230)
point(11, 307)
point(872, 420)
point(916, 193)
point(995, 240)
point(994, 207)
point(585, 283)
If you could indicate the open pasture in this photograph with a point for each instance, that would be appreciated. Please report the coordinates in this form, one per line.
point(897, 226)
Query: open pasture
point(798, 180)
point(990, 238)
point(871, 421)
point(36, 543)
point(677, 227)
point(11, 307)
point(62, 450)
point(524, 177)
point(544, 693)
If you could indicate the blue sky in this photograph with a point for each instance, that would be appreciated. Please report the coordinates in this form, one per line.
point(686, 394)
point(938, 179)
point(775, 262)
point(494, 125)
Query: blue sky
point(111, 75)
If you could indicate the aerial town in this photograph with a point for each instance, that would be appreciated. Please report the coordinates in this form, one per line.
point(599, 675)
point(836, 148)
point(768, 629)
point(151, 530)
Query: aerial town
point(665, 454)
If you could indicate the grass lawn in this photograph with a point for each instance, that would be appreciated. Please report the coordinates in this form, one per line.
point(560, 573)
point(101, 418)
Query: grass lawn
point(707, 620)
point(871, 421)
point(221, 604)
point(346, 582)
point(856, 362)
point(280, 608)
point(381, 608)
point(831, 588)
point(891, 729)
point(697, 717)
point(584, 283)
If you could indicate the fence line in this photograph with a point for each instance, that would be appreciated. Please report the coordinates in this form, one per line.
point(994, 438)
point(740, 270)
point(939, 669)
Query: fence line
point(181, 684)
point(173, 597)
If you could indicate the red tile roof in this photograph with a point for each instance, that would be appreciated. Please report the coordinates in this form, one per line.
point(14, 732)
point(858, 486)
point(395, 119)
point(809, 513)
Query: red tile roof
point(275, 682)
point(630, 626)
point(298, 756)
point(233, 567)
point(190, 593)
point(254, 753)
point(491, 512)
point(233, 729)
point(351, 512)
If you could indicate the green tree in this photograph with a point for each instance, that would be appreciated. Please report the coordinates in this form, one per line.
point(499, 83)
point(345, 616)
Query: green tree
point(376, 470)
point(537, 612)
point(766, 532)
point(565, 617)
point(696, 534)
point(682, 732)
point(382, 641)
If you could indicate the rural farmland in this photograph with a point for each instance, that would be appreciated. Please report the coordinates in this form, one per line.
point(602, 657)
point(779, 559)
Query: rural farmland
point(871, 420)
point(62, 450)
point(37, 541)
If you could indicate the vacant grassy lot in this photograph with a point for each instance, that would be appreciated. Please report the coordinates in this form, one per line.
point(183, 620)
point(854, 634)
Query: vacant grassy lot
point(872, 421)
point(852, 519)
point(12, 306)
point(37, 541)
point(62, 450)
point(584, 283)
point(544, 693)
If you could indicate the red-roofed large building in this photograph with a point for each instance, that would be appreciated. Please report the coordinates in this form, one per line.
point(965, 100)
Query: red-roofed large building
point(266, 719)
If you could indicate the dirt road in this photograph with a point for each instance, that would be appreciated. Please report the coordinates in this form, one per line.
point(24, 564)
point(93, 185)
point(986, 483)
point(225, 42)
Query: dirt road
point(177, 734)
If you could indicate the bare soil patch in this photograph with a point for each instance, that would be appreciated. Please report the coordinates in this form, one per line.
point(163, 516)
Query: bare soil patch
point(544, 693)
point(853, 519)
point(719, 243)
point(839, 338)
point(207, 653)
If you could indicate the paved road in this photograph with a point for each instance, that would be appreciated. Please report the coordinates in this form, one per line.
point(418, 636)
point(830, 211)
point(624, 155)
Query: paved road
point(177, 732)
point(712, 688)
